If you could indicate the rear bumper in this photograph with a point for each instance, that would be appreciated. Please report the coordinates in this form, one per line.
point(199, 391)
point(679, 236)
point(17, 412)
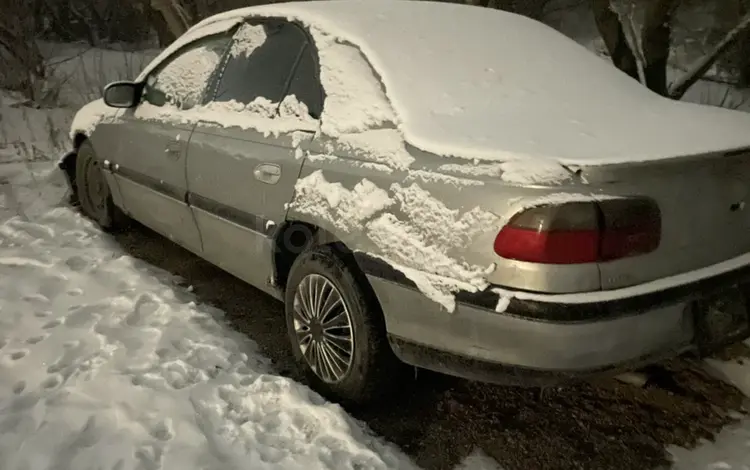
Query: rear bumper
point(537, 342)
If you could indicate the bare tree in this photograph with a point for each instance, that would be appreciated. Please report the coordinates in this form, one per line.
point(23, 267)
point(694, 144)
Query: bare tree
point(626, 12)
point(735, 60)
point(697, 70)
point(21, 63)
point(645, 55)
point(653, 37)
point(531, 8)
point(174, 15)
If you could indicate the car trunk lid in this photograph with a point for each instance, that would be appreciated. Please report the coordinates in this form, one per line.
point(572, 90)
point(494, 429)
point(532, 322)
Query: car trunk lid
point(704, 209)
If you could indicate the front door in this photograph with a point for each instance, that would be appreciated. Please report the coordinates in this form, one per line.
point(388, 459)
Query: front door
point(151, 159)
point(242, 170)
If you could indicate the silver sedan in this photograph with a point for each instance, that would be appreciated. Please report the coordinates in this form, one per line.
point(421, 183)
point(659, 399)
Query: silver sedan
point(431, 184)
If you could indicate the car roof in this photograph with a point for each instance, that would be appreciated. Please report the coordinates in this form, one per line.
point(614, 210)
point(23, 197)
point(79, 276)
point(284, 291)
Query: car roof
point(474, 82)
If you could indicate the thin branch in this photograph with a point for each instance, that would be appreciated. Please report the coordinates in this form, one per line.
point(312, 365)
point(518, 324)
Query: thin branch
point(559, 8)
point(701, 66)
point(75, 56)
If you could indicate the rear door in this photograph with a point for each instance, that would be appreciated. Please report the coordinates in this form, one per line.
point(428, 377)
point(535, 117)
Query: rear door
point(242, 164)
point(150, 160)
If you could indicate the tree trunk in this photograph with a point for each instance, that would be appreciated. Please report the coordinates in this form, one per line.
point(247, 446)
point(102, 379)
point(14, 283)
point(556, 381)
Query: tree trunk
point(173, 15)
point(737, 58)
point(531, 8)
point(160, 26)
point(614, 38)
point(24, 65)
point(654, 38)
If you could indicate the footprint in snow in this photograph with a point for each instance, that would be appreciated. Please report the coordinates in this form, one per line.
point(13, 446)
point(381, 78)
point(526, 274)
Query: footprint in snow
point(42, 314)
point(18, 355)
point(36, 339)
point(247, 381)
point(53, 323)
point(56, 367)
point(75, 292)
point(51, 286)
point(146, 306)
point(163, 431)
point(149, 457)
point(82, 315)
point(19, 387)
point(52, 382)
point(78, 263)
point(36, 298)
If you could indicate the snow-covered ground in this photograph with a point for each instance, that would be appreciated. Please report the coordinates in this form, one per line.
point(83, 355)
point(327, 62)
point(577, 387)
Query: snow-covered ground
point(108, 363)
point(105, 363)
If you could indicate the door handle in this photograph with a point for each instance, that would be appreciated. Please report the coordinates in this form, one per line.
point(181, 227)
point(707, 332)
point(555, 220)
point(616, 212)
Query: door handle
point(269, 173)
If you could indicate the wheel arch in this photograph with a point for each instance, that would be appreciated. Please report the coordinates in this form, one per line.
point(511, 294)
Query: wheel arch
point(295, 236)
point(68, 162)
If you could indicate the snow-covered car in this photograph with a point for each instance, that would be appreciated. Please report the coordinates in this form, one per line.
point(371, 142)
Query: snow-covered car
point(432, 184)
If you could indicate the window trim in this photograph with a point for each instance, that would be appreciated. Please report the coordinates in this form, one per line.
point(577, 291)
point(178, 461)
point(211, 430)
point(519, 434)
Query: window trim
point(213, 87)
point(215, 79)
point(316, 61)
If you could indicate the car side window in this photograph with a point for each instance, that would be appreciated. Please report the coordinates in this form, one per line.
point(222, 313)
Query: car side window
point(305, 84)
point(265, 71)
point(183, 79)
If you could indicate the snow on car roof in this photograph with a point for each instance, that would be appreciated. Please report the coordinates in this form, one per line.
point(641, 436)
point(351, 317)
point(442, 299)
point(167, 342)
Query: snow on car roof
point(482, 83)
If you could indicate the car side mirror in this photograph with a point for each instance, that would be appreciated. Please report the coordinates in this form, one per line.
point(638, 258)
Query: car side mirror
point(122, 94)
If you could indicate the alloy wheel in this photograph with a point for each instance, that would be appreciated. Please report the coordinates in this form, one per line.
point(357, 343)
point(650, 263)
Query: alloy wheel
point(323, 328)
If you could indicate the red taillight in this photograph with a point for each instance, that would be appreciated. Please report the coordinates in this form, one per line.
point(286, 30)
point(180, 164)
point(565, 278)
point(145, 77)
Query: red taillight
point(582, 232)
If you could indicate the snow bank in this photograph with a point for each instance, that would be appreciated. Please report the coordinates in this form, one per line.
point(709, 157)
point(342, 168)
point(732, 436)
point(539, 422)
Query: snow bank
point(79, 72)
point(29, 134)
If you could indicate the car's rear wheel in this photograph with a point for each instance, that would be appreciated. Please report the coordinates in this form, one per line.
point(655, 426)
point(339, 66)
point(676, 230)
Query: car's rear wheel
point(337, 330)
point(94, 193)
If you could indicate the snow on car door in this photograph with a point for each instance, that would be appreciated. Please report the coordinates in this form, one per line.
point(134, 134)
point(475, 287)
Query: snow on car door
point(241, 157)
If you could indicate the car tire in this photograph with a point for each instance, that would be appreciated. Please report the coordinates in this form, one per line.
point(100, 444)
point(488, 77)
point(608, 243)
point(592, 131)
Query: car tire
point(369, 371)
point(94, 194)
